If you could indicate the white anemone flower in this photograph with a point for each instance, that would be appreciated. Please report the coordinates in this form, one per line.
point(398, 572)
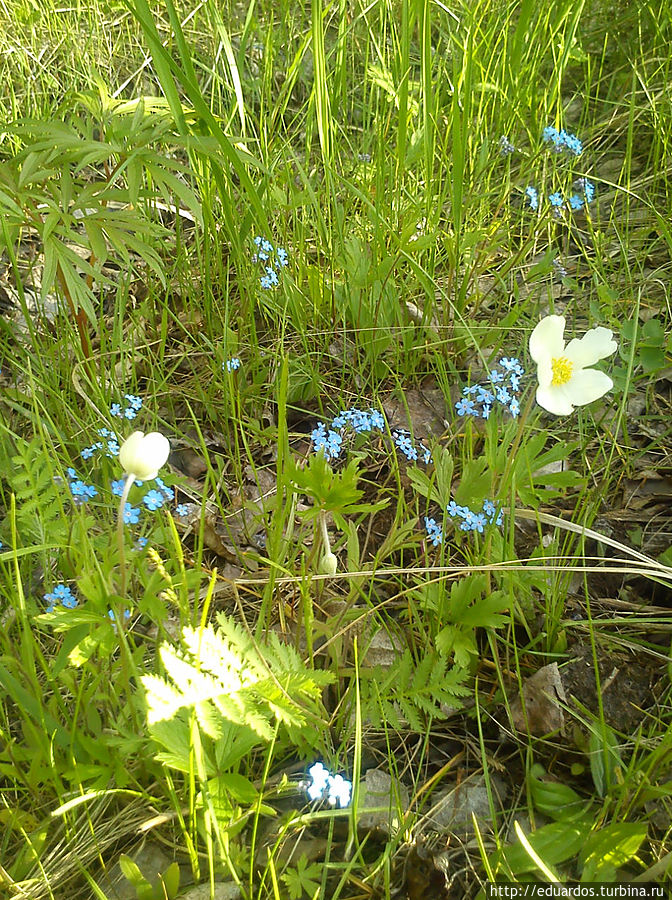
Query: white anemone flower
point(142, 455)
point(565, 377)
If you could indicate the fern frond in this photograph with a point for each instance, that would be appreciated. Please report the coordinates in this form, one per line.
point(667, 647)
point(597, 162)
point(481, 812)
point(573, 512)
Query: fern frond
point(232, 685)
point(39, 499)
point(410, 692)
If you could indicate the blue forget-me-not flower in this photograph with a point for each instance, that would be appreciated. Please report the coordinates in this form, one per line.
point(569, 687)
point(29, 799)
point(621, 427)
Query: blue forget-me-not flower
point(61, 595)
point(131, 515)
point(475, 521)
point(330, 440)
point(323, 785)
point(532, 196)
point(478, 400)
point(153, 499)
point(273, 258)
point(434, 531)
point(506, 148)
point(562, 140)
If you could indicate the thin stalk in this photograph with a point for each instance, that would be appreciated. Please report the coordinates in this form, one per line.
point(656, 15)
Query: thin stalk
point(322, 520)
point(130, 478)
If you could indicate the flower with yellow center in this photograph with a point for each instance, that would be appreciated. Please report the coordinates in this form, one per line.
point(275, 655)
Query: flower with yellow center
point(565, 377)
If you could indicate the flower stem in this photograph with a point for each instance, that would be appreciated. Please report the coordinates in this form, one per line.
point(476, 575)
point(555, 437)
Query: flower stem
point(322, 519)
point(130, 478)
point(522, 420)
point(516, 441)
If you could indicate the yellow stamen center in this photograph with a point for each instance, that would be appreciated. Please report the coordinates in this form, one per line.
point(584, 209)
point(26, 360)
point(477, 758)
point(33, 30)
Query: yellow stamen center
point(562, 370)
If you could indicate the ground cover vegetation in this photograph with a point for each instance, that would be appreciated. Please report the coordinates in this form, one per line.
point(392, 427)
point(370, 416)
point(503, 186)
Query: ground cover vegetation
point(335, 447)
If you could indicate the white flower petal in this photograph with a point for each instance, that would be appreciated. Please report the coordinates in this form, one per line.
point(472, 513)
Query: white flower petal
point(546, 340)
point(545, 372)
point(129, 449)
point(554, 400)
point(585, 386)
point(143, 455)
point(596, 344)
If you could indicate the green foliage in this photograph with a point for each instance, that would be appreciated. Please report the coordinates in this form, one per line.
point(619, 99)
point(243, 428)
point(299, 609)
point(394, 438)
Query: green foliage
point(164, 887)
point(605, 757)
point(40, 513)
point(470, 605)
point(47, 186)
point(402, 264)
point(437, 486)
point(556, 843)
point(533, 471)
point(333, 492)
point(303, 879)
point(599, 851)
point(553, 798)
point(368, 298)
point(652, 345)
point(237, 691)
point(411, 692)
point(609, 848)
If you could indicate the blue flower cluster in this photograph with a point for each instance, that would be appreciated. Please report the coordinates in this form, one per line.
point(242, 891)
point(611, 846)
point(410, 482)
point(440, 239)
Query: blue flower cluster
point(110, 445)
point(273, 259)
point(576, 201)
point(113, 618)
point(472, 521)
point(330, 440)
point(560, 270)
point(231, 364)
point(404, 442)
point(503, 390)
point(434, 531)
point(81, 492)
point(154, 498)
point(584, 190)
point(469, 520)
point(532, 197)
point(562, 140)
point(506, 148)
point(167, 492)
point(60, 596)
point(323, 785)
point(133, 407)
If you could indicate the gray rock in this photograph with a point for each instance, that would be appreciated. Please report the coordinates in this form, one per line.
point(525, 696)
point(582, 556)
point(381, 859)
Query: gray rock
point(453, 810)
point(383, 802)
point(148, 857)
point(227, 890)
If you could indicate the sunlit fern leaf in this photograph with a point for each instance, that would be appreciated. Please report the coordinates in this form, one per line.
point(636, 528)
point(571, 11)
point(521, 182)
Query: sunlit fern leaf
point(232, 685)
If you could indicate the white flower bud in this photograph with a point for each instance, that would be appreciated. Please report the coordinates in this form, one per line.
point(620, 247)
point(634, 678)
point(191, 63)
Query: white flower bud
point(142, 455)
point(328, 564)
